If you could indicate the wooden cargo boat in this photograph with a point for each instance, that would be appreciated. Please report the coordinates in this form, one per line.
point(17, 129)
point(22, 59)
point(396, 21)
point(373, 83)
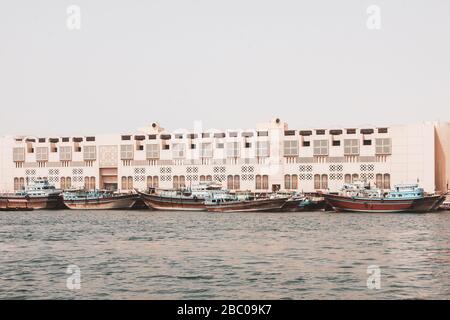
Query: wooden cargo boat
point(189, 199)
point(404, 198)
point(236, 205)
point(99, 200)
point(39, 195)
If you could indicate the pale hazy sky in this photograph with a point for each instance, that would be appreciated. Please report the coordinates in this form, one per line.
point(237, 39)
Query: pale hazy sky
point(229, 63)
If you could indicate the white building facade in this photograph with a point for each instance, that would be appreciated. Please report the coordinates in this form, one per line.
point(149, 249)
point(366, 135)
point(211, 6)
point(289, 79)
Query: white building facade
point(268, 158)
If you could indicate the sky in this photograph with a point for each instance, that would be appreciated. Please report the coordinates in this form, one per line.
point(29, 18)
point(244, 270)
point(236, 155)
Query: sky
point(227, 63)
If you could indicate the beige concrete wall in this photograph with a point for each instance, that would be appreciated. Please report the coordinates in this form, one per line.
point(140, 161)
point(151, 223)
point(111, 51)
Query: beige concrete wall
point(442, 147)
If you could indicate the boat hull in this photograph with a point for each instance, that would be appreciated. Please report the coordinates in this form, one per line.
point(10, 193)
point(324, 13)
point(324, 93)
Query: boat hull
point(248, 205)
point(107, 203)
point(157, 202)
point(296, 206)
point(425, 204)
point(25, 203)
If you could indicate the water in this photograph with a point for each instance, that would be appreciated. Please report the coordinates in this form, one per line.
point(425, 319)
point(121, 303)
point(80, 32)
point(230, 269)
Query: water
point(200, 255)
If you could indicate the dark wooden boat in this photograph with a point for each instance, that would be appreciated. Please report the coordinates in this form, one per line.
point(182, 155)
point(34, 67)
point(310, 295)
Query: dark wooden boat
point(303, 204)
point(173, 202)
point(404, 198)
point(100, 201)
point(39, 195)
point(15, 202)
point(255, 205)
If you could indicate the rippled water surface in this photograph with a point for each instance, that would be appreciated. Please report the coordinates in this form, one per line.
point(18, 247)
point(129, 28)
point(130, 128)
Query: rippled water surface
point(200, 255)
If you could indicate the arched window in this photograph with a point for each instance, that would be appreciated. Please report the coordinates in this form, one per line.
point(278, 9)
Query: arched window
point(176, 185)
point(265, 182)
point(124, 183)
point(21, 183)
point(130, 183)
point(182, 182)
point(258, 184)
point(237, 182)
point(294, 181)
point(324, 181)
point(230, 182)
point(387, 181)
point(155, 182)
point(208, 178)
point(16, 184)
point(63, 183)
point(348, 178)
point(92, 183)
point(86, 183)
point(355, 177)
point(149, 182)
point(68, 182)
point(287, 181)
point(317, 181)
point(379, 180)
point(202, 178)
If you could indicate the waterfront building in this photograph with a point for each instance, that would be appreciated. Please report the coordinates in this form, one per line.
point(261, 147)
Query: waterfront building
point(270, 157)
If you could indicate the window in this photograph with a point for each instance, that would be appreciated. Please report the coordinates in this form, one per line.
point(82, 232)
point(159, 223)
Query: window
point(290, 181)
point(383, 146)
point(317, 181)
point(379, 180)
point(65, 139)
point(42, 154)
point(351, 131)
point(233, 149)
point(176, 185)
point(19, 154)
point(262, 133)
point(126, 138)
point(324, 183)
point(206, 135)
point(248, 145)
point(306, 143)
point(90, 139)
point(247, 134)
point(387, 181)
point(382, 130)
point(152, 151)
point(355, 177)
point(367, 142)
point(219, 135)
point(66, 183)
point(233, 182)
point(233, 134)
point(178, 136)
point(351, 146)
point(289, 133)
point(65, 153)
point(336, 143)
point(90, 153)
point(290, 148)
point(320, 147)
point(192, 146)
point(237, 182)
point(178, 150)
point(220, 146)
point(348, 178)
point(206, 150)
point(152, 137)
point(126, 152)
point(294, 181)
point(320, 132)
point(287, 181)
point(265, 182)
point(89, 183)
point(262, 148)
